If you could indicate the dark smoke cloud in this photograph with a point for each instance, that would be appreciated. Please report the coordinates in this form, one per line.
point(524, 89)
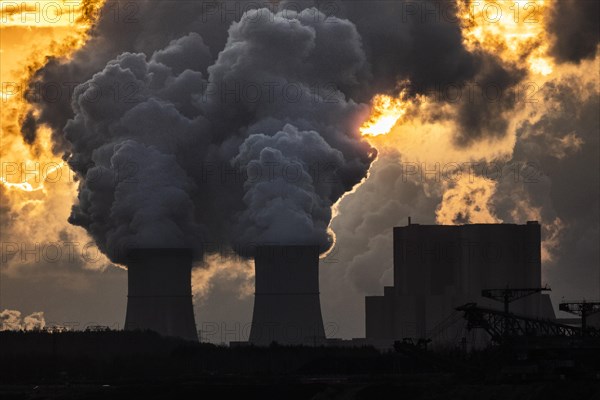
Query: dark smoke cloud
point(145, 130)
point(283, 190)
point(166, 95)
point(483, 111)
point(176, 112)
point(404, 42)
point(124, 140)
point(420, 41)
point(123, 26)
point(575, 30)
point(28, 127)
point(406, 39)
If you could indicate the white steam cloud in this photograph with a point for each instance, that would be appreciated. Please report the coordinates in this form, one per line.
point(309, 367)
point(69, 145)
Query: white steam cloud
point(11, 320)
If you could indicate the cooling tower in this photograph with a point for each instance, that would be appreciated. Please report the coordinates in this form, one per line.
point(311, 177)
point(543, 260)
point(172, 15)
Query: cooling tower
point(287, 309)
point(160, 292)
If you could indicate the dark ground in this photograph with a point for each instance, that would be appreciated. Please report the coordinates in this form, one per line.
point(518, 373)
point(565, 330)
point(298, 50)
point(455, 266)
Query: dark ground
point(143, 365)
point(426, 387)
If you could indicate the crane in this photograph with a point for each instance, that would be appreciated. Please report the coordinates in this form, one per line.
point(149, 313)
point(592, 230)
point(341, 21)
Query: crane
point(581, 308)
point(508, 295)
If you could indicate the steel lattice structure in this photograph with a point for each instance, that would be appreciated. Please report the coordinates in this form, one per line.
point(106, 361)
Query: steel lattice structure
point(500, 325)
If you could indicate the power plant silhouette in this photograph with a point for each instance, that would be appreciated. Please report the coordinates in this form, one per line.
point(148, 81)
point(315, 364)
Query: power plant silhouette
point(436, 269)
point(440, 267)
point(160, 292)
point(287, 309)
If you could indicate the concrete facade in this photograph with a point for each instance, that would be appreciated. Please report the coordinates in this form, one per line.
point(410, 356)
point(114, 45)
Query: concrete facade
point(438, 268)
point(287, 308)
point(159, 294)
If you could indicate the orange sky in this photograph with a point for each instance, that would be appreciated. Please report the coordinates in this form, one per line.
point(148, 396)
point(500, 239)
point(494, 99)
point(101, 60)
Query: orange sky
point(28, 29)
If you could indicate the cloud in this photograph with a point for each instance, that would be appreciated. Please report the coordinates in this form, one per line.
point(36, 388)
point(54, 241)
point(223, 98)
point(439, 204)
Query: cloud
point(145, 129)
point(11, 320)
point(223, 270)
point(574, 30)
point(214, 99)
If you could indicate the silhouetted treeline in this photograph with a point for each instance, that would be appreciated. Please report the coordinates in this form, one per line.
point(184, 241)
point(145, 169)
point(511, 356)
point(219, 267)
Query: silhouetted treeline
point(119, 355)
point(132, 365)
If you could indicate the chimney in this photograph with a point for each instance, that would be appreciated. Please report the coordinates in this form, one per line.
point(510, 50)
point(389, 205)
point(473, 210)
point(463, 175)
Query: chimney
point(287, 309)
point(160, 292)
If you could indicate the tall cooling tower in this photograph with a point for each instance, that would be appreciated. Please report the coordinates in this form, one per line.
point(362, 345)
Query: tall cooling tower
point(287, 309)
point(160, 292)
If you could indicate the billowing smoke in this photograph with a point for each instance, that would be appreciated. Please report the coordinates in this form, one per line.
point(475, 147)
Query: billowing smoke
point(419, 41)
point(148, 132)
point(280, 92)
point(229, 119)
point(422, 42)
point(284, 189)
point(11, 320)
point(122, 26)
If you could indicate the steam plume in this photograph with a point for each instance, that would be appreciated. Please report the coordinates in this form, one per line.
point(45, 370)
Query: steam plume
point(141, 158)
point(11, 320)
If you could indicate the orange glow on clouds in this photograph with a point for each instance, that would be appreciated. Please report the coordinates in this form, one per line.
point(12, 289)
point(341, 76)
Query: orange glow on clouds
point(386, 111)
point(47, 13)
point(37, 187)
point(514, 30)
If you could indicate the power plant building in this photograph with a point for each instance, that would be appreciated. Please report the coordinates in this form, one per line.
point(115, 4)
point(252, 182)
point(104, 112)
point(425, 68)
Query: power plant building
point(438, 268)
